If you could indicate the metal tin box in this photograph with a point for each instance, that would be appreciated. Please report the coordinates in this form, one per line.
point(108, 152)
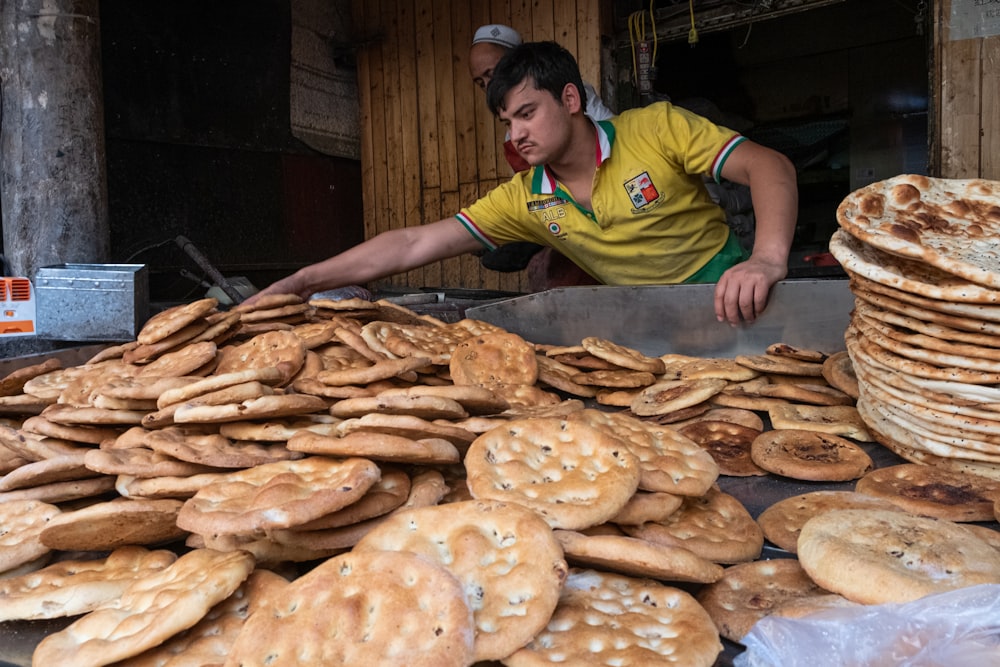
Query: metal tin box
point(99, 302)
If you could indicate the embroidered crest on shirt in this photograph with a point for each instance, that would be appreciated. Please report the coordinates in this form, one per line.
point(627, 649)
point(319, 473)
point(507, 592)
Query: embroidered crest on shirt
point(641, 190)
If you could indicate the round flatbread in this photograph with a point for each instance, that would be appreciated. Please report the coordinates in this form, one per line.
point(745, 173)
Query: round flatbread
point(209, 641)
point(278, 349)
point(931, 491)
point(894, 215)
point(573, 474)
point(492, 359)
point(877, 557)
point(795, 352)
point(605, 619)
point(637, 558)
point(928, 349)
point(559, 376)
point(152, 609)
point(842, 420)
point(504, 555)
point(172, 320)
point(729, 445)
point(72, 587)
point(747, 592)
point(743, 417)
point(810, 455)
point(13, 383)
point(378, 447)
point(389, 492)
point(192, 388)
point(908, 275)
point(926, 327)
point(684, 367)
point(716, 526)
point(668, 461)
point(115, 523)
point(786, 365)
point(782, 522)
point(975, 311)
point(425, 407)
point(407, 426)
point(66, 467)
point(646, 506)
point(622, 356)
point(21, 523)
point(838, 370)
point(405, 610)
point(277, 495)
point(476, 400)
point(672, 395)
point(262, 407)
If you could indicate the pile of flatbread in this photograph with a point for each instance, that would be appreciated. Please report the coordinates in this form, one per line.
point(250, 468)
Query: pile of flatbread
point(923, 256)
point(300, 483)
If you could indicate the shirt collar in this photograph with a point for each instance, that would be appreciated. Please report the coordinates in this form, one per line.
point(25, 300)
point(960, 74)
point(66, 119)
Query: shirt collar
point(542, 180)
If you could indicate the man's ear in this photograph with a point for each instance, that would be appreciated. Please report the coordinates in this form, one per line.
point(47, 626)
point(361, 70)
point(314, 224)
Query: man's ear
point(571, 98)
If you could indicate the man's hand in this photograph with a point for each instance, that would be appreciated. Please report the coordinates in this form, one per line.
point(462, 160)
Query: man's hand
point(289, 285)
point(742, 291)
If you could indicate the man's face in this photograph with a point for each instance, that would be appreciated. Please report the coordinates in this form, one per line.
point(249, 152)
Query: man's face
point(540, 126)
point(483, 58)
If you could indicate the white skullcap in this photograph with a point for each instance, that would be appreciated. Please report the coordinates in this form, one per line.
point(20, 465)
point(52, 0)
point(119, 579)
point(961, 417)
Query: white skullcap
point(496, 33)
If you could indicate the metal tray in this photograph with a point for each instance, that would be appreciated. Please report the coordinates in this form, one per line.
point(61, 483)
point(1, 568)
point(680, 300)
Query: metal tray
point(657, 319)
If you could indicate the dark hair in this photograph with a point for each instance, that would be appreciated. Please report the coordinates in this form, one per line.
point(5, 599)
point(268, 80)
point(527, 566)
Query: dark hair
point(548, 64)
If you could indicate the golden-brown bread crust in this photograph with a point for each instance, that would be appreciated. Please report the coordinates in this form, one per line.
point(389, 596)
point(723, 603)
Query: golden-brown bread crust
point(503, 554)
point(947, 223)
point(606, 618)
point(876, 556)
point(363, 608)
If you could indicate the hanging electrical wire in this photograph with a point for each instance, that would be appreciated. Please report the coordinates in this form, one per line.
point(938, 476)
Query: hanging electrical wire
point(636, 33)
point(746, 37)
point(637, 42)
point(652, 25)
point(693, 33)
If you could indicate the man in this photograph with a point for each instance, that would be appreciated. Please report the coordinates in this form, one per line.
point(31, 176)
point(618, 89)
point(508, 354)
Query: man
point(490, 43)
point(546, 268)
point(623, 199)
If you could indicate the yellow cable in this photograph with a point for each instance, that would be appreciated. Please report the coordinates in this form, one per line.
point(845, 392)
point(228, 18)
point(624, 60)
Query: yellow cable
point(637, 33)
point(652, 22)
point(693, 33)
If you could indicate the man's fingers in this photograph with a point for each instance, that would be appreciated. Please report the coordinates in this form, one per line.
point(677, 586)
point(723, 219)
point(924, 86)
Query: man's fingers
point(753, 300)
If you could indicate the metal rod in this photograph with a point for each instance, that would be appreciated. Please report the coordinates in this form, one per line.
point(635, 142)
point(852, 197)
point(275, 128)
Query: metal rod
point(207, 266)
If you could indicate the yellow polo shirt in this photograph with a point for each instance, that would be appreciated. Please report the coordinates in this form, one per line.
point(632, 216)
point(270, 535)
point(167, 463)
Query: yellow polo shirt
point(652, 222)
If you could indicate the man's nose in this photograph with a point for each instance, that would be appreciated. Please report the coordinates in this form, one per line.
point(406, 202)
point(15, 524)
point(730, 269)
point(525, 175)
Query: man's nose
point(517, 130)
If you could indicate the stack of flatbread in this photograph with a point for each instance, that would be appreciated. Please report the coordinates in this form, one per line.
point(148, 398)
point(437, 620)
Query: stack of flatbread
point(923, 257)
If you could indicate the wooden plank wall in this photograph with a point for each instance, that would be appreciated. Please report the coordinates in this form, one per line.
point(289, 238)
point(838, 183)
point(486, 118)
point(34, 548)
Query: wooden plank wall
point(429, 145)
point(966, 89)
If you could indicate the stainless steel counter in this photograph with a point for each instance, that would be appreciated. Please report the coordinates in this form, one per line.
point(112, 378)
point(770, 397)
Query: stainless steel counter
point(657, 319)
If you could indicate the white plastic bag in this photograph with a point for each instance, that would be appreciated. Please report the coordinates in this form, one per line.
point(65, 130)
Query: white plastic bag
point(959, 628)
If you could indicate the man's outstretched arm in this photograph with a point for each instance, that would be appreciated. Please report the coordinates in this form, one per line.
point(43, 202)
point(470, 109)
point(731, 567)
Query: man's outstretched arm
point(389, 253)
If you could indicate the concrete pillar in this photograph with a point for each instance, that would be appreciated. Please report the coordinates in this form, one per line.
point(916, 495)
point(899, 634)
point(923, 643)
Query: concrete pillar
point(53, 183)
